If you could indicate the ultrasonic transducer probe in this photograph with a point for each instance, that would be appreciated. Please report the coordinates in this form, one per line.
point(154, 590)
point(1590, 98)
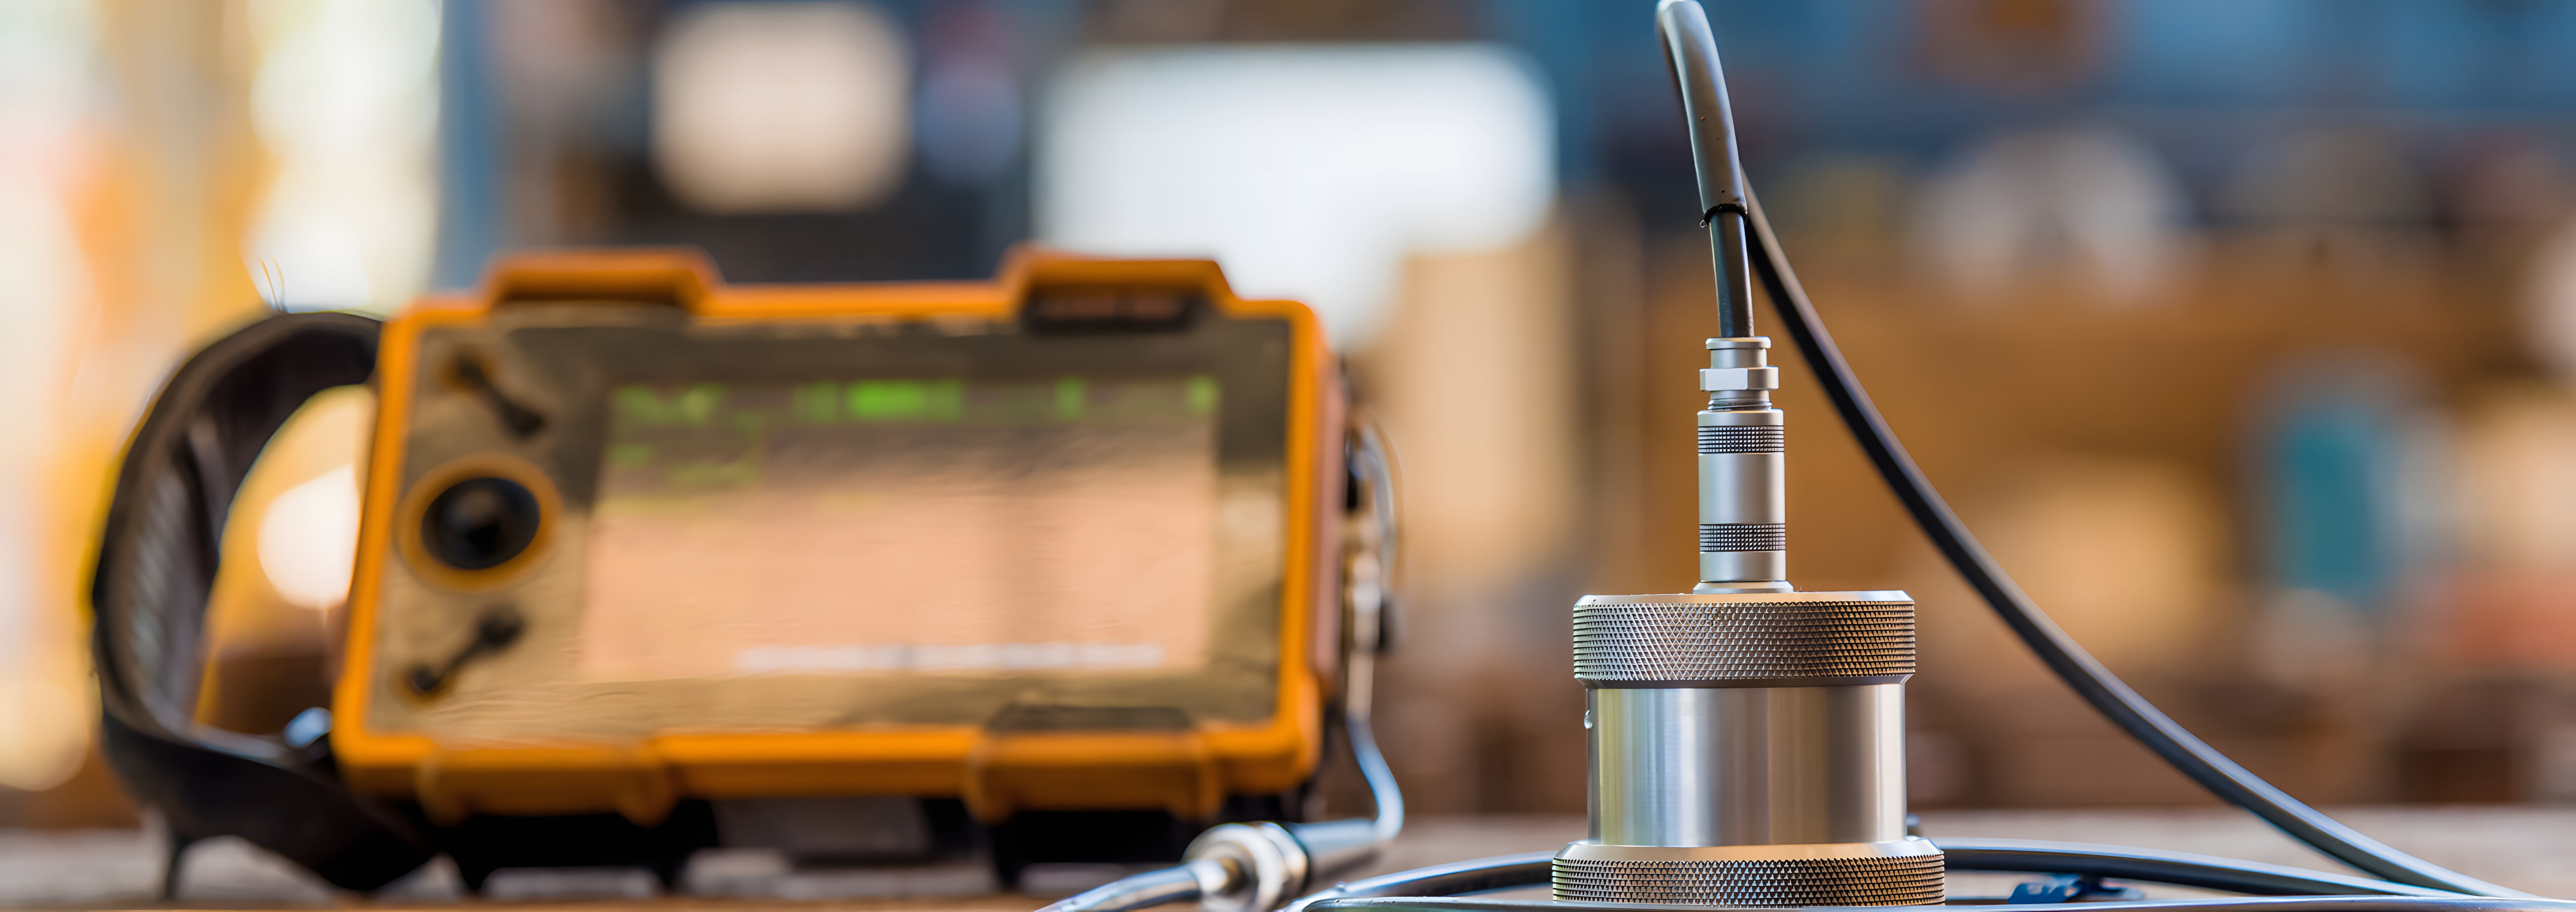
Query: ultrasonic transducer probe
point(1747, 739)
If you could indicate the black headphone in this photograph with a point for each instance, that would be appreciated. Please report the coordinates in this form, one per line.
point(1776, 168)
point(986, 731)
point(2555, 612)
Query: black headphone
point(156, 569)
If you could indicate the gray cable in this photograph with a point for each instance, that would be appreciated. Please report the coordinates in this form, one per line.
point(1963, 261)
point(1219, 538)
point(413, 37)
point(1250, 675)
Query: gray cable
point(1152, 888)
point(1457, 878)
point(1373, 461)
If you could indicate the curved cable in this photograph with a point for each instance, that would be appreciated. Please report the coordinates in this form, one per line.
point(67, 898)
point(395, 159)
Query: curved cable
point(1180, 883)
point(2182, 869)
point(1371, 460)
point(1381, 781)
point(1457, 878)
point(1690, 54)
point(2081, 672)
point(2450, 903)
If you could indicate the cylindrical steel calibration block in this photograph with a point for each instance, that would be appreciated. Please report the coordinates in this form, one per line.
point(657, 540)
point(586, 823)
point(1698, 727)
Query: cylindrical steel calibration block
point(1748, 748)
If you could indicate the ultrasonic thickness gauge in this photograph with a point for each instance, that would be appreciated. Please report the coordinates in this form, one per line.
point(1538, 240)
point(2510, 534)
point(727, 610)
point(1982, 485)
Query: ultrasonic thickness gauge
point(1044, 543)
point(642, 547)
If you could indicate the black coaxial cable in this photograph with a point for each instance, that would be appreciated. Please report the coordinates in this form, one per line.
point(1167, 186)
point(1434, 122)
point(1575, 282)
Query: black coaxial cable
point(2185, 752)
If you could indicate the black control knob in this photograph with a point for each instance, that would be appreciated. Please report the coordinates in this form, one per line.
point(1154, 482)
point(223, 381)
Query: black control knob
point(480, 523)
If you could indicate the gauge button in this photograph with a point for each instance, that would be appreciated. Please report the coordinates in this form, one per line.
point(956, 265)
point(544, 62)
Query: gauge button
point(480, 523)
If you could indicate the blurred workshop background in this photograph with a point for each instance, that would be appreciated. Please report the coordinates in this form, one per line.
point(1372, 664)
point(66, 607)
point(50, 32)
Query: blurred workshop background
point(2243, 331)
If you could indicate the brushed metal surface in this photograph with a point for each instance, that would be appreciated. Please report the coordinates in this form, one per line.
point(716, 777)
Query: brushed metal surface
point(1730, 379)
point(1743, 488)
point(1747, 765)
point(1731, 567)
point(1761, 417)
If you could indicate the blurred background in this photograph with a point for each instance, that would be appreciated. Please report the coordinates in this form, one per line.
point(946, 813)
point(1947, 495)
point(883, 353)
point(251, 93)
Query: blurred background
point(2242, 331)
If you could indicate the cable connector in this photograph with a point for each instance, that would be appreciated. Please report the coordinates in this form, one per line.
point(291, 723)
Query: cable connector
point(1743, 505)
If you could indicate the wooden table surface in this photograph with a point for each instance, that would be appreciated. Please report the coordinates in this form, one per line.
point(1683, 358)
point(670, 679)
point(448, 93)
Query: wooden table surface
point(2529, 848)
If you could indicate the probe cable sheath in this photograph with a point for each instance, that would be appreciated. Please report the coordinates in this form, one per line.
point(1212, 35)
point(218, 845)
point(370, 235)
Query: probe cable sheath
point(2276, 887)
point(2086, 675)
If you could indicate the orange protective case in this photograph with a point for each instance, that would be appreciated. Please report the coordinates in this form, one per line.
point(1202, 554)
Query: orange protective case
point(1188, 773)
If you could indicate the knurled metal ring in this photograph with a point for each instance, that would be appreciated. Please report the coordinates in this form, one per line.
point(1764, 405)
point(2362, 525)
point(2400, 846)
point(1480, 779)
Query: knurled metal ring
point(1719, 638)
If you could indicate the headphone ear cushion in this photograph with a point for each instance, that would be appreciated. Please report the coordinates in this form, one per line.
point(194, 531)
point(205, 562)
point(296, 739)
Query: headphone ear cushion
point(156, 570)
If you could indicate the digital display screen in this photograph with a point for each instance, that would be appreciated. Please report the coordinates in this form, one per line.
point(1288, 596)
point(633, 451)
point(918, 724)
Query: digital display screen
point(908, 525)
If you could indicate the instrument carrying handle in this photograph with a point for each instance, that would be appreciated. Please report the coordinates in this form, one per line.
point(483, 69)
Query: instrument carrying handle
point(158, 554)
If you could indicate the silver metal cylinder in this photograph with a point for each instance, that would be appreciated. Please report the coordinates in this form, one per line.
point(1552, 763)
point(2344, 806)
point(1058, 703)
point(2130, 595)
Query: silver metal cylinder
point(1743, 505)
point(1727, 766)
point(1747, 749)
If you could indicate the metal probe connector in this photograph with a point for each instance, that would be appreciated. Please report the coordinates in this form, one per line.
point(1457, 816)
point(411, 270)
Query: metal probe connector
point(1743, 453)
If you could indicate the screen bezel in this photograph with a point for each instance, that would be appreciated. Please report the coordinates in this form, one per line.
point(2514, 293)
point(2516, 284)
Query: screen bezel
point(924, 760)
point(577, 354)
